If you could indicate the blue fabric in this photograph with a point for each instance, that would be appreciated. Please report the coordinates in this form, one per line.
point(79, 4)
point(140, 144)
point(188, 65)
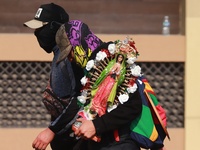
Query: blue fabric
point(59, 81)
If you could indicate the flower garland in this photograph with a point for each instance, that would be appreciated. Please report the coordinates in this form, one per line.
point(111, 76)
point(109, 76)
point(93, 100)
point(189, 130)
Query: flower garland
point(94, 69)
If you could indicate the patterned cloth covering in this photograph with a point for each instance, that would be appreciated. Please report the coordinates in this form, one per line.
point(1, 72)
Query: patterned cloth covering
point(76, 36)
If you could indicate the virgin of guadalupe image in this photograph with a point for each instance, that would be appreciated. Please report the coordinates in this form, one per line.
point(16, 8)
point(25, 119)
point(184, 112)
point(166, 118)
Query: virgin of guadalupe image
point(104, 90)
point(104, 78)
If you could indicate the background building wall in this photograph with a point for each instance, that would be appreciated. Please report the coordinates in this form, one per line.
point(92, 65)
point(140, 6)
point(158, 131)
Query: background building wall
point(25, 48)
point(192, 113)
point(103, 16)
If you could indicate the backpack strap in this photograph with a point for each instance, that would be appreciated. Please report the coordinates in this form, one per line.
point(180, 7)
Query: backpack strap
point(156, 113)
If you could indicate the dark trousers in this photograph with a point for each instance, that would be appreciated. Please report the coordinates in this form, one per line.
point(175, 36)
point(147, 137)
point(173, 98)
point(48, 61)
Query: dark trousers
point(121, 145)
point(109, 143)
point(63, 142)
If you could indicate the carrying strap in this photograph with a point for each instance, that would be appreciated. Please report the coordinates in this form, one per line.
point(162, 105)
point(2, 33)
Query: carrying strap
point(63, 130)
point(156, 113)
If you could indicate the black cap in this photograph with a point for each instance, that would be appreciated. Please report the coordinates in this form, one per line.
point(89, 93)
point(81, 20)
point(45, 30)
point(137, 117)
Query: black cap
point(48, 13)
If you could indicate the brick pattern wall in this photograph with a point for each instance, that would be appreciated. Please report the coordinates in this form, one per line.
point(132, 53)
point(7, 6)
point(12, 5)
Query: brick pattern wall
point(103, 16)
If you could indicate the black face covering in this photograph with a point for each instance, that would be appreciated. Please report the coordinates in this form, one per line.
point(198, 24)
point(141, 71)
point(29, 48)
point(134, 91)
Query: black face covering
point(46, 35)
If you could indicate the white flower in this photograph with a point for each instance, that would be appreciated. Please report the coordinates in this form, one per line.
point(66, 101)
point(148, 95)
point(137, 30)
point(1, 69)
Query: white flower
point(111, 48)
point(84, 93)
point(136, 71)
point(131, 60)
point(110, 108)
point(100, 56)
point(123, 98)
point(132, 89)
point(89, 65)
point(84, 80)
point(81, 99)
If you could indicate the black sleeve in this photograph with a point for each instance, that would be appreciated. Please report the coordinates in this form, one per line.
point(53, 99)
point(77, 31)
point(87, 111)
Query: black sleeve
point(120, 116)
point(68, 114)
